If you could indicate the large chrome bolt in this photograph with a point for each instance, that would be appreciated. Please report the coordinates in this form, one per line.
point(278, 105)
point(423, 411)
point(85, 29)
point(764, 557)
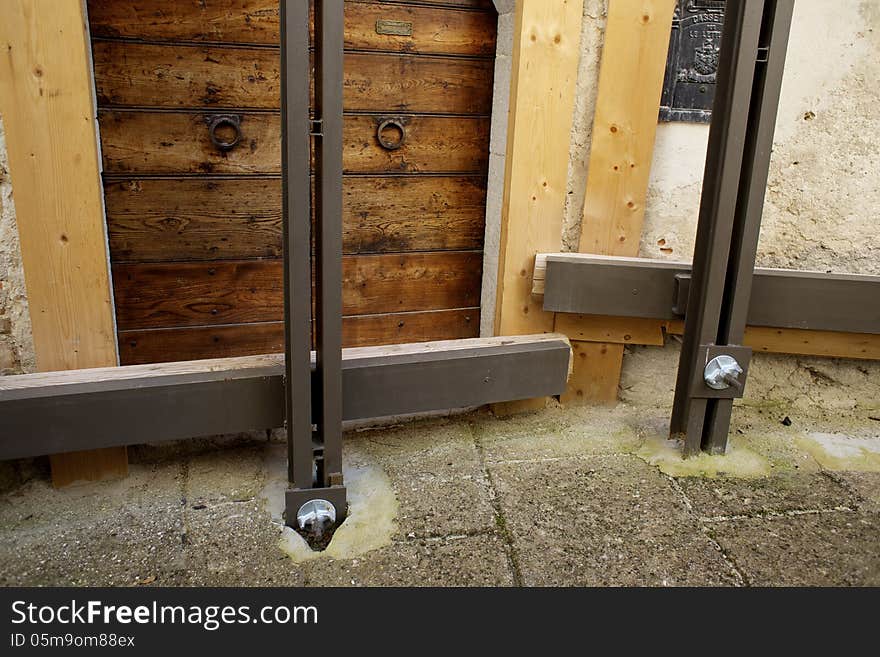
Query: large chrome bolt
point(316, 514)
point(722, 372)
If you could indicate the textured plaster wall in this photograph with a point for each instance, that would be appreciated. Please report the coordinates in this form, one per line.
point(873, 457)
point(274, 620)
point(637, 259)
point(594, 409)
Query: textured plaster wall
point(824, 184)
point(16, 343)
point(820, 212)
point(592, 40)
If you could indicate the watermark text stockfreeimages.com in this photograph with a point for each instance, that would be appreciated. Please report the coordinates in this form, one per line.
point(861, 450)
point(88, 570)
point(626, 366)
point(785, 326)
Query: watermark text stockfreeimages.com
point(209, 617)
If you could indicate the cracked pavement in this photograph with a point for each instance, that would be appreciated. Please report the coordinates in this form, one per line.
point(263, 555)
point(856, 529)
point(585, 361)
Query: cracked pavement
point(587, 497)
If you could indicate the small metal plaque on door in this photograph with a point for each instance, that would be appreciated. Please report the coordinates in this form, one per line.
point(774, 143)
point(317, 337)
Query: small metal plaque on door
point(692, 62)
point(395, 28)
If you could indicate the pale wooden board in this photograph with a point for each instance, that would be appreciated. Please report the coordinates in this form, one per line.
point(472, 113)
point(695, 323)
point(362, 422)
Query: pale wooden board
point(544, 73)
point(801, 342)
point(766, 339)
point(625, 124)
point(596, 373)
point(624, 127)
point(619, 330)
point(46, 103)
point(546, 51)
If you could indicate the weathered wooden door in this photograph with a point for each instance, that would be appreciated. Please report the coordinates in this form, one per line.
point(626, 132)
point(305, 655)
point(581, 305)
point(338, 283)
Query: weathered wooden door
point(188, 106)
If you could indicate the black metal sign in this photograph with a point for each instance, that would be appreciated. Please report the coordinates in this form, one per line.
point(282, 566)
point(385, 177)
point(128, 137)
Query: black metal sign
point(692, 63)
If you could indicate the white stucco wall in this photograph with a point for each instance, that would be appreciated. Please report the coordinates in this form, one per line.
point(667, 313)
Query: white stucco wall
point(16, 341)
point(824, 185)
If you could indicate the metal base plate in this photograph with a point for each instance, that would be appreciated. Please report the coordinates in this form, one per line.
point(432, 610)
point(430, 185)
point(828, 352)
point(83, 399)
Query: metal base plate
point(294, 498)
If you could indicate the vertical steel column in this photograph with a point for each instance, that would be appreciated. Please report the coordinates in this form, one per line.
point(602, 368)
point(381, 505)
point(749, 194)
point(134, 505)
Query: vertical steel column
point(328, 238)
point(740, 141)
point(772, 49)
point(296, 231)
point(322, 498)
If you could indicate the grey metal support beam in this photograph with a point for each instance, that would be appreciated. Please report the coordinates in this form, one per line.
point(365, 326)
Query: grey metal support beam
point(773, 45)
point(296, 231)
point(328, 238)
point(641, 287)
point(55, 412)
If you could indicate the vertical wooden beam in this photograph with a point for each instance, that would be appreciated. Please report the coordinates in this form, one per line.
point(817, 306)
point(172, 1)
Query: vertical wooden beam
point(546, 50)
point(48, 114)
point(624, 127)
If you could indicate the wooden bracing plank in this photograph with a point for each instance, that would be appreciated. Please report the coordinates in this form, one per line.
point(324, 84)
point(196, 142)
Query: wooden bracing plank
point(546, 51)
point(630, 83)
point(47, 108)
point(545, 59)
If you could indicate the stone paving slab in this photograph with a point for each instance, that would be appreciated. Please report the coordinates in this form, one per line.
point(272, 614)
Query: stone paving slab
point(728, 496)
point(603, 521)
point(121, 549)
point(821, 549)
point(233, 542)
point(866, 485)
point(227, 475)
point(531, 438)
point(542, 499)
point(452, 561)
point(112, 533)
point(437, 475)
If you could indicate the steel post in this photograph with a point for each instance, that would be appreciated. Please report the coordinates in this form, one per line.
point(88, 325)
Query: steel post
point(328, 238)
point(296, 236)
point(740, 140)
point(315, 456)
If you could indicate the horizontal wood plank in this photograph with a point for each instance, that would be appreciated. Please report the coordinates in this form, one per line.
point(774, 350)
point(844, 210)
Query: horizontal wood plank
point(179, 142)
point(437, 30)
point(172, 76)
point(228, 292)
point(195, 219)
point(801, 342)
point(618, 330)
point(434, 29)
point(173, 344)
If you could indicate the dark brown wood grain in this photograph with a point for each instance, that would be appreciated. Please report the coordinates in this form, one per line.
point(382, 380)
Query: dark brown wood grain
point(179, 142)
point(195, 219)
point(194, 232)
point(230, 292)
point(412, 213)
point(242, 21)
point(435, 29)
point(149, 75)
point(191, 343)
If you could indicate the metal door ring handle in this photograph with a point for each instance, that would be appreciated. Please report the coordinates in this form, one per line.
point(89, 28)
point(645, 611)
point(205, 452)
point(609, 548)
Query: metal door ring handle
point(387, 143)
point(224, 120)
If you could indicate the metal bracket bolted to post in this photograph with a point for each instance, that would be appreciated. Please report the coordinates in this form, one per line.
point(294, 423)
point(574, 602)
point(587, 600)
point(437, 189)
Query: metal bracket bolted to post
point(722, 372)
